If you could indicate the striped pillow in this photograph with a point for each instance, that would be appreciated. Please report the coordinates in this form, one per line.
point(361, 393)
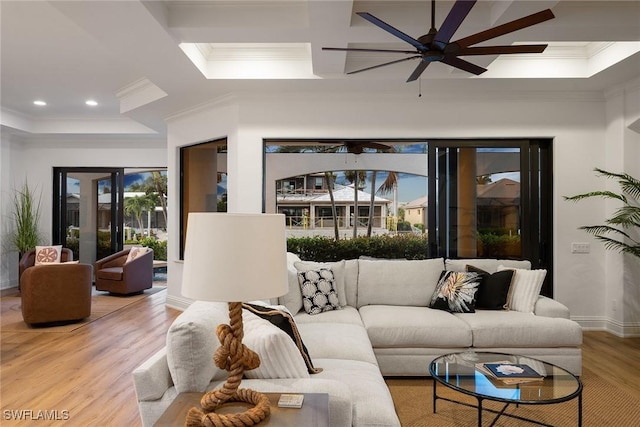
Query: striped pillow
point(525, 289)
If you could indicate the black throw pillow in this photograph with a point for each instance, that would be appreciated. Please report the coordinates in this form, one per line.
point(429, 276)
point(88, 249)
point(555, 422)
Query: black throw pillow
point(493, 290)
point(285, 322)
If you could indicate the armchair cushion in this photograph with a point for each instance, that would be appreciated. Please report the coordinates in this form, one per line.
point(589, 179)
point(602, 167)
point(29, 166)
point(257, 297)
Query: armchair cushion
point(136, 252)
point(48, 254)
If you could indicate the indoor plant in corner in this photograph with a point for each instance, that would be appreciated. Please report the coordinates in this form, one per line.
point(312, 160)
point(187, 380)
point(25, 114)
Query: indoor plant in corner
point(26, 216)
point(624, 224)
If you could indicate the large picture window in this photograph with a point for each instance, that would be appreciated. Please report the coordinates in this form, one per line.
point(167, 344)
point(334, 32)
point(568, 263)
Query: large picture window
point(481, 198)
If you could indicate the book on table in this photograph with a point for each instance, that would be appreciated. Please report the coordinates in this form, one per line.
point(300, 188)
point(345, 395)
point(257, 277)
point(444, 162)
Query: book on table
point(509, 372)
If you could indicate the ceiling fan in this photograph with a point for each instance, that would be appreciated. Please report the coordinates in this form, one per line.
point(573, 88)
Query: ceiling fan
point(436, 45)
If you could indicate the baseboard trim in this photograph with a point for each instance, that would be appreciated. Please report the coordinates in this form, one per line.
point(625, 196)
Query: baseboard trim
point(179, 303)
point(613, 326)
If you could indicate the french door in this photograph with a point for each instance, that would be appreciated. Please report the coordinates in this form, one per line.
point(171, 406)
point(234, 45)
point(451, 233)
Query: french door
point(491, 200)
point(87, 210)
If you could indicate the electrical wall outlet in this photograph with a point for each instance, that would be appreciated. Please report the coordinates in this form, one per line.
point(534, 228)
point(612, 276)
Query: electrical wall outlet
point(580, 248)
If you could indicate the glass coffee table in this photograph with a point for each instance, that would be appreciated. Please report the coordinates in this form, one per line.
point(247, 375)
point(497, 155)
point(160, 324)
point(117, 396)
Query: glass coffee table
point(460, 372)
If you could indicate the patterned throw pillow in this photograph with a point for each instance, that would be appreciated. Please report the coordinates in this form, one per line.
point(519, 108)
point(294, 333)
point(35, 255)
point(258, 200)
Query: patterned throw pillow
point(287, 324)
point(456, 292)
point(48, 254)
point(136, 252)
point(493, 289)
point(318, 289)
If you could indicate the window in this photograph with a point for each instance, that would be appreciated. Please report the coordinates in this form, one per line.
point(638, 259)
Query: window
point(202, 181)
point(483, 198)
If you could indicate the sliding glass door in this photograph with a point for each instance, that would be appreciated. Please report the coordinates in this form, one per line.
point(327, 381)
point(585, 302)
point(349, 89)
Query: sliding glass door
point(491, 201)
point(87, 211)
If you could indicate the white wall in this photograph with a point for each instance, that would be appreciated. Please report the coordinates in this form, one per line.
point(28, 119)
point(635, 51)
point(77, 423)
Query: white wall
point(576, 122)
point(33, 158)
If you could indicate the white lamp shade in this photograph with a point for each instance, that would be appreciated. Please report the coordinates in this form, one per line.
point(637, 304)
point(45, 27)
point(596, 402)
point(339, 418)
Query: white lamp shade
point(235, 257)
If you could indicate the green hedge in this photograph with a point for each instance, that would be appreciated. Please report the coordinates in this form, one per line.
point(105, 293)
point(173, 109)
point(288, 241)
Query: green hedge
point(159, 247)
point(324, 249)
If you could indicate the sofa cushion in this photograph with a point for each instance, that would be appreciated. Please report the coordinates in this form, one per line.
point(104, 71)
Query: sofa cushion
point(191, 343)
point(398, 282)
point(487, 264)
point(405, 326)
point(525, 288)
point(338, 270)
point(371, 400)
point(456, 292)
point(347, 314)
point(492, 328)
point(351, 281)
point(337, 341)
point(279, 355)
point(493, 289)
point(279, 317)
point(292, 299)
point(319, 293)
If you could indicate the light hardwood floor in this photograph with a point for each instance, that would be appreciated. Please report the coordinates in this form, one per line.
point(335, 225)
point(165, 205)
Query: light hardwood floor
point(88, 372)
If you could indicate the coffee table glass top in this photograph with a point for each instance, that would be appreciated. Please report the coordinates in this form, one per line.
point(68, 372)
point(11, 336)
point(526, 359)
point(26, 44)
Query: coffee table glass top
point(458, 371)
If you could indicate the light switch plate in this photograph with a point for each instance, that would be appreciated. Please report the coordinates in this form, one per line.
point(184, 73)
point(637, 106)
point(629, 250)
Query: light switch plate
point(580, 248)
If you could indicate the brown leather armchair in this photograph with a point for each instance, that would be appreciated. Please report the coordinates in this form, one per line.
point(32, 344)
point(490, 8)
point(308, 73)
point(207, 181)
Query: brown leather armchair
point(54, 292)
point(115, 275)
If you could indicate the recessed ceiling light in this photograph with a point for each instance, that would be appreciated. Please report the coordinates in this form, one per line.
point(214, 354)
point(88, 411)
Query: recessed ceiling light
point(39, 103)
point(91, 103)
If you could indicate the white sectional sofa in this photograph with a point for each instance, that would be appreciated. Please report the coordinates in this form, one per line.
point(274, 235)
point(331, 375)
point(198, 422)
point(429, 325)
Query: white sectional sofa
point(383, 328)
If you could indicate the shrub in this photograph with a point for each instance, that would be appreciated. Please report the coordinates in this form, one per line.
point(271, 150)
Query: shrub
point(159, 247)
point(325, 249)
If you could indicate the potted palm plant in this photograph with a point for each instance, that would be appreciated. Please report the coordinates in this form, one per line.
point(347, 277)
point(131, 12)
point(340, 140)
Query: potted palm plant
point(26, 216)
point(621, 230)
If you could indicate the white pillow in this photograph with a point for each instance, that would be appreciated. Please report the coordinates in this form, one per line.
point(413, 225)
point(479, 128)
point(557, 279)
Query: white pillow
point(48, 254)
point(136, 252)
point(338, 272)
point(292, 299)
point(279, 356)
point(525, 289)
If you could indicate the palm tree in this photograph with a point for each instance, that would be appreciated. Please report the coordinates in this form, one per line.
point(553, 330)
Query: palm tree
point(627, 217)
point(136, 206)
point(328, 176)
point(355, 177)
point(160, 184)
point(388, 185)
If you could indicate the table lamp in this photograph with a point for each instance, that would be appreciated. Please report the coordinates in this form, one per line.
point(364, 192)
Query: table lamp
point(233, 258)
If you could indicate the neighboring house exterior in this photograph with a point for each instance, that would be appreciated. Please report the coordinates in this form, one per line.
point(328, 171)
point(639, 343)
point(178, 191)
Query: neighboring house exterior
point(497, 206)
point(415, 211)
point(306, 203)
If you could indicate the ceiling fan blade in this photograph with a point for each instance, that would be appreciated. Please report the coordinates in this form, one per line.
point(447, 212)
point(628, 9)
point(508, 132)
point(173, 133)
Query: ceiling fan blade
point(463, 65)
point(503, 29)
point(376, 146)
point(394, 31)
point(384, 64)
point(452, 22)
point(418, 71)
point(501, 50)
point(353, 49)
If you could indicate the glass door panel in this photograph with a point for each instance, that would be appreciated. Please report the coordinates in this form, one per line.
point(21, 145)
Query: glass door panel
point(478, 209)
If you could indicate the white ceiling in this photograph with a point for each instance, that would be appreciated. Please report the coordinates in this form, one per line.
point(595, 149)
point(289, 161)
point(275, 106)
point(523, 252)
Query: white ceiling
point(130, 56)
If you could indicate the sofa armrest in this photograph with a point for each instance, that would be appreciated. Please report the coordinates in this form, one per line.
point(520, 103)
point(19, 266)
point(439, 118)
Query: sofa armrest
point(548, 307)
point(152, 379)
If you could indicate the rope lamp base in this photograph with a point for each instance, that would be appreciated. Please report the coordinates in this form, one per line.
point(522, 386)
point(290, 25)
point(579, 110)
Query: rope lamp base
point(234, 357)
